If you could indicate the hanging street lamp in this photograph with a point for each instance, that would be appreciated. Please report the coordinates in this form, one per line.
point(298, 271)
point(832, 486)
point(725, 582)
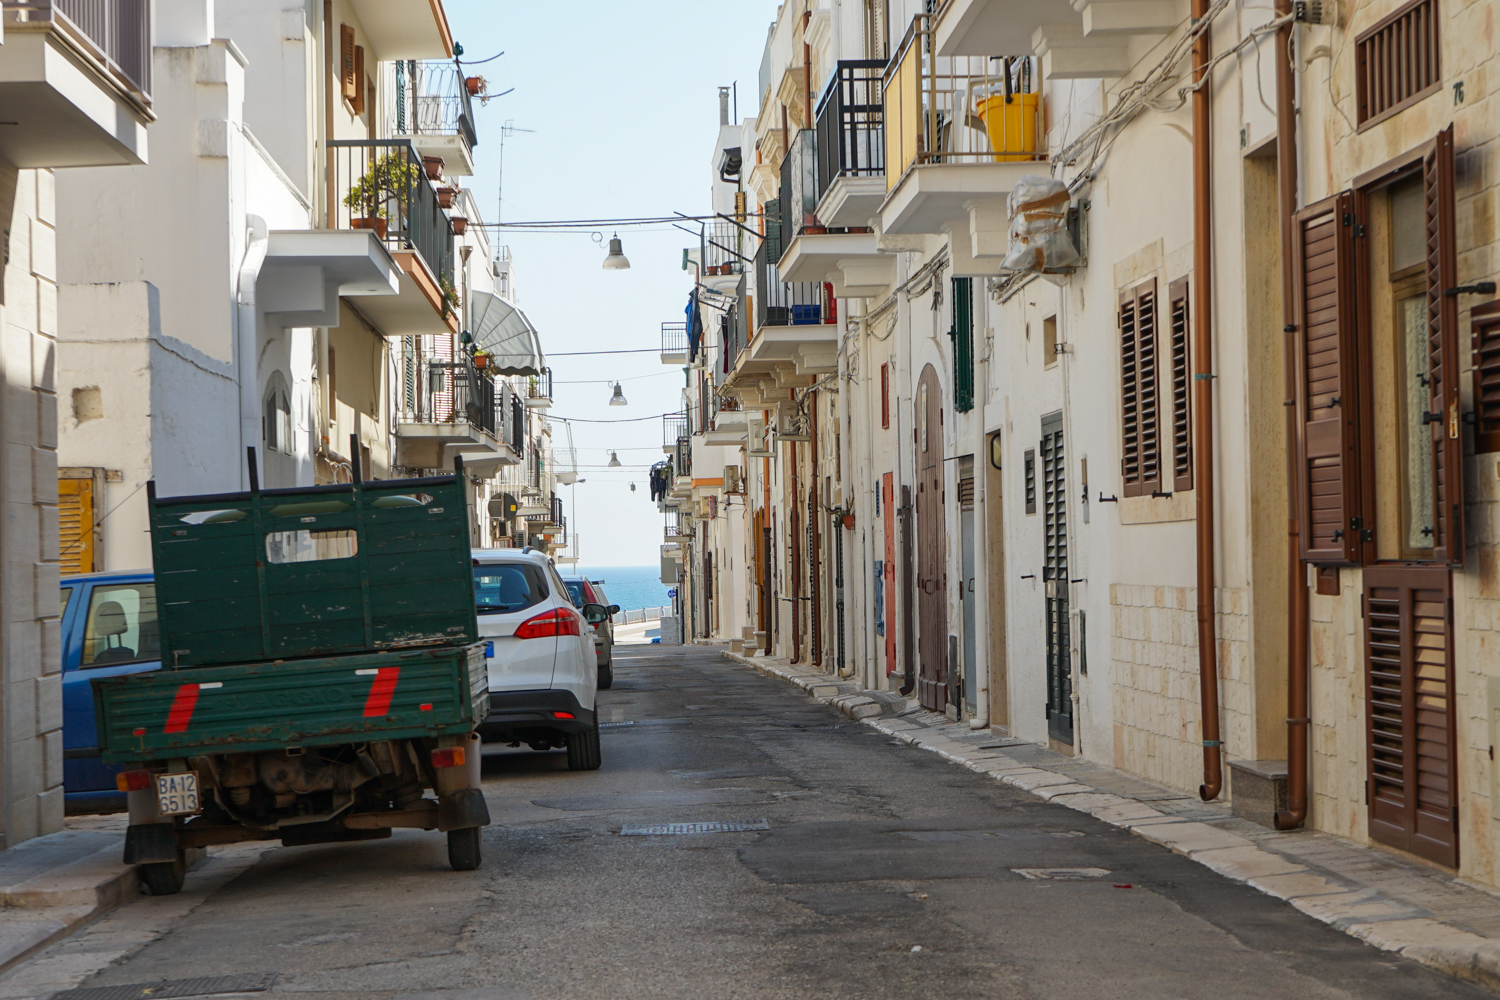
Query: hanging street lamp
point(616, 261)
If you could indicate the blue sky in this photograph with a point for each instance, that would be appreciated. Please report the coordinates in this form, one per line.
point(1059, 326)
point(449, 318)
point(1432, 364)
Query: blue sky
point(623, 101)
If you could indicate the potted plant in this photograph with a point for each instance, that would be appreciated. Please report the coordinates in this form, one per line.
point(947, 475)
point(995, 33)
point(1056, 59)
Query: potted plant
point(481, 360)
point(460, 225)
point(450, 296)
point(475, 85)
point(389, 177)
point(446, 196)
point(434, 167)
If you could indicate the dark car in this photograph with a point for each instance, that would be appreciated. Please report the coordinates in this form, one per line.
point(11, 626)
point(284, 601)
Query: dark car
point(109, 627)
point(585, 591)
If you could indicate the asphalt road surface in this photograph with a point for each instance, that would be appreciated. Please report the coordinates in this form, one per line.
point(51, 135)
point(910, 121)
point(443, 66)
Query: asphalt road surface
point(885, 873)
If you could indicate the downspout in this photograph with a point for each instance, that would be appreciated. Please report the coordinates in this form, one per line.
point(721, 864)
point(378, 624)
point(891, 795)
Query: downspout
point(807, 105)
point(247, 341)
point(1203, 420)
point(794, 529)
point(1297, 722)
point(330, 193)
point(815, 544)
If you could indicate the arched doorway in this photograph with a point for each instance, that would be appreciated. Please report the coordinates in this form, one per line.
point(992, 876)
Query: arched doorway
point(932, 547)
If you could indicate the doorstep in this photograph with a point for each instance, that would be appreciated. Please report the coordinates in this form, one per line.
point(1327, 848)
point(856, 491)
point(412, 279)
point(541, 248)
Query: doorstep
point(1387, 901)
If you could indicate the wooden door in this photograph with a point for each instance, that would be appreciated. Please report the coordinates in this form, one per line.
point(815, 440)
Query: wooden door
point(994, 535)
point(932, 562)
point(75, 523)
point(1412, 757)
point(888, 570)
point(1055, 579)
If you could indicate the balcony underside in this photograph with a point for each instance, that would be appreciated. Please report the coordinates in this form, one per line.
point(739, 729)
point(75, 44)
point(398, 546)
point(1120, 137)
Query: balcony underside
point(730, 428)
point(996, 27)
point(435, 445)
point(305, 273)
point(934, 198)
point(413, 29)
point(813, 349)
point(417, 308)
point(851, 201)
point(458, 159)
point(56, 113)
point(851, 261)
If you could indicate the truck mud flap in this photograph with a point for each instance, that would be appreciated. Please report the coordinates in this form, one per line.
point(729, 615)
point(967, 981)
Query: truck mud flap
point(149, 843)
point(462, 809)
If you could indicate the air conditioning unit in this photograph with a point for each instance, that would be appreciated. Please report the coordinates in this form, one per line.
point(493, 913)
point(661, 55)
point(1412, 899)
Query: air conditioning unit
point(732, 483)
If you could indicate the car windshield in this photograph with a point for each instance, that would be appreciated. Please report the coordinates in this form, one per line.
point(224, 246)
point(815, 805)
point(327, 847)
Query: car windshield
point(505, 587)
point(575, 591)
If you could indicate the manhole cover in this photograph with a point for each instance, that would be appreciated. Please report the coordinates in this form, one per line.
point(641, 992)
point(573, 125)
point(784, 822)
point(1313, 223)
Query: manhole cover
point(672, 829)
point(1061, 874)
point(253, 982)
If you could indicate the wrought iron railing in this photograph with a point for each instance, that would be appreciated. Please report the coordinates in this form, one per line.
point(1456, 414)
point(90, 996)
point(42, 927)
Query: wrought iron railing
point(851, 123)
point(431, 98)
point(725, 247)
point(958, 109)
point(674, 342)
point(682, 456)
point(791, 303)
point(518, 426)
point(799, 187)
point(539, 387)
point(117, 33)
point(381, 186)
point(440, 391)
point(673, 427)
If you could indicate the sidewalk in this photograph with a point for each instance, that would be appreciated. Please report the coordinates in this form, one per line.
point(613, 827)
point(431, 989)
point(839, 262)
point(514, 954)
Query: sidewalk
point(1389, 902)
point(51, 886)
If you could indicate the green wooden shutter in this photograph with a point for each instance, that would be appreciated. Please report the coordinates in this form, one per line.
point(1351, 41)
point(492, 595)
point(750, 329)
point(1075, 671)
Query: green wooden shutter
point(962, 335)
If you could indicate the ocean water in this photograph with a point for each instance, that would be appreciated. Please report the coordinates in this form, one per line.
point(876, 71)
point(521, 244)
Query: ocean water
point(630, 587)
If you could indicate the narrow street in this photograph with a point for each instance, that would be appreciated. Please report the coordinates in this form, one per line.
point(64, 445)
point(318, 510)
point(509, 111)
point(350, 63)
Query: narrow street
point(885, 872)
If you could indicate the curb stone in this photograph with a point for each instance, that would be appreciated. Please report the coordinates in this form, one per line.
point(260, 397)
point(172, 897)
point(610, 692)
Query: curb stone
point(1356, 910)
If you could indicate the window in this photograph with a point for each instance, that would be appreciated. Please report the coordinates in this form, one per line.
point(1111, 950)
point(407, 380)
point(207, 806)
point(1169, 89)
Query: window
point(67, 595)
point(1182, 387)
point(501, 588)
point(277, 417)
point(885, 395)
point(1140, 418)
point(122, 626)
point(1049, 341)
point(1029, 463)
point(962, 335)
point(316, 545)
point(1396, 62)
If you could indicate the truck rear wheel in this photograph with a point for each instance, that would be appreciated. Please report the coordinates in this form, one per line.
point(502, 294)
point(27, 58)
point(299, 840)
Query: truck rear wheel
point(583, 749)
point(163, 878)
point(463, 849)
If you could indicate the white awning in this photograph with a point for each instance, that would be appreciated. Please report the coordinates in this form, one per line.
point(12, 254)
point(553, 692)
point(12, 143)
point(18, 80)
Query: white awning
point(504, 333)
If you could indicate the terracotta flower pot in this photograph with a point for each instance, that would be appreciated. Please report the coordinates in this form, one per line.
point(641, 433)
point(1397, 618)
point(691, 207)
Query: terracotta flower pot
point(434, 167)
point(474, 85)
point(848, 520)
point(481, 361)
point(369, 222)
point(446, 197)
point(460, 225)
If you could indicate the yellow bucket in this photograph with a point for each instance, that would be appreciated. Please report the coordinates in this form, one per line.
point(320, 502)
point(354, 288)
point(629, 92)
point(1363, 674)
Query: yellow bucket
point(1011, 127)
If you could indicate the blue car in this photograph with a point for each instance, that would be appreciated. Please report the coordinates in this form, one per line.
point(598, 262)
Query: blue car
point(109, 628)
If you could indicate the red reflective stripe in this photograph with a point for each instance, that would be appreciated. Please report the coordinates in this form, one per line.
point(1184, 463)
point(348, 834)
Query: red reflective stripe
point(182, 708)
point(381, 691)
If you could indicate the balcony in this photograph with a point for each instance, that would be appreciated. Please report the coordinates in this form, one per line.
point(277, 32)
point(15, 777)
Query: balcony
point(410, 30)
point(434, 111)
point(75, 82)
point(725, 255)
point(539, 389)
point(674, 426)
point(1090, 46)
point(450, 409)
point(851, 144)
point(381, 187)
point(674, 344)
point(796, 323)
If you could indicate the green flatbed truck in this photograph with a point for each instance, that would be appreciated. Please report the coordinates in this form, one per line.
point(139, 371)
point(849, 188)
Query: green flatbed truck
point(321, 672)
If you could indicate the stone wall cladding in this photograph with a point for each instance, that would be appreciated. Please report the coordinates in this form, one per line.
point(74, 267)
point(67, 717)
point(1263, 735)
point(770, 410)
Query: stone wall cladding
point(1154, 655)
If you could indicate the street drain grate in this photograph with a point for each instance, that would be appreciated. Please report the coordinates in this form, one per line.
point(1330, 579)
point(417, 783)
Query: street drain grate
point(614, 725)
point(672, 829)
point(253, 982)
point(1061, 874)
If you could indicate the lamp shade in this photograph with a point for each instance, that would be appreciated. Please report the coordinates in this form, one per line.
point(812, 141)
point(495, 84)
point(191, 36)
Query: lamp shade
point(618, 399)
point(614, 460)
point(616, 261)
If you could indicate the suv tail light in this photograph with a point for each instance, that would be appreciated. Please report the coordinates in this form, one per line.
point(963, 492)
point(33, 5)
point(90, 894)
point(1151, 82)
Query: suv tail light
point(559, 621)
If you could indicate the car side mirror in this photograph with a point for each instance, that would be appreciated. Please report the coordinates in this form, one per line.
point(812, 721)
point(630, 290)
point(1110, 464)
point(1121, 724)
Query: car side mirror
point(595, 613)
point(614, 609)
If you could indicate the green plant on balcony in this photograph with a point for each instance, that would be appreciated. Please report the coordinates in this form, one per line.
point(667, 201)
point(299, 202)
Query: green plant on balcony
point(389, 177)
point(450, 296)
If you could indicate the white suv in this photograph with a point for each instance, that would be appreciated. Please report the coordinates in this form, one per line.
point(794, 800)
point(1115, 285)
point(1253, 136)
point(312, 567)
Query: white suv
point(543, 674)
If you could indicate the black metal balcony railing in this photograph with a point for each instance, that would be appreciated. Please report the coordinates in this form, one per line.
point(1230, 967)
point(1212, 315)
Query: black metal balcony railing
point(518, 426)
point(851, 123)
point(674, 341)
point(432, 99)
point(799, 187)
point(673, 426)
point(725, 247)
point(791, 303)
point(682, 457)
point(117, 33)
point(732, 329)
point(539, 387)
point(557, 509)
point(450, 392)
point(381, 186)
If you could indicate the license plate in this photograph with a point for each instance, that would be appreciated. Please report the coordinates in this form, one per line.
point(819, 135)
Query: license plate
point(177, 794)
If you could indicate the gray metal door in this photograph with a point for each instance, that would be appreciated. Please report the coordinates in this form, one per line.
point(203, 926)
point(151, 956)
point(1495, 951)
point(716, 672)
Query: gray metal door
point(1055, 575)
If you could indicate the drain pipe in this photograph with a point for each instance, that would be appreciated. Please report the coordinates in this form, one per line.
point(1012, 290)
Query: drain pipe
point(247, 341)
point(1203, 419)
point(1297, 722)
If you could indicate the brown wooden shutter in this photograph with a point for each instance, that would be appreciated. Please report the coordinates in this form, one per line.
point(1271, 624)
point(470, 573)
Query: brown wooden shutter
point(1182, 387)
point(1442, 336)
point(1328, 494)
point(357, 102)
point(1413, 763)
point(349, 80)
point(1140, 417)
point(1486, 321)
point(75, 522)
